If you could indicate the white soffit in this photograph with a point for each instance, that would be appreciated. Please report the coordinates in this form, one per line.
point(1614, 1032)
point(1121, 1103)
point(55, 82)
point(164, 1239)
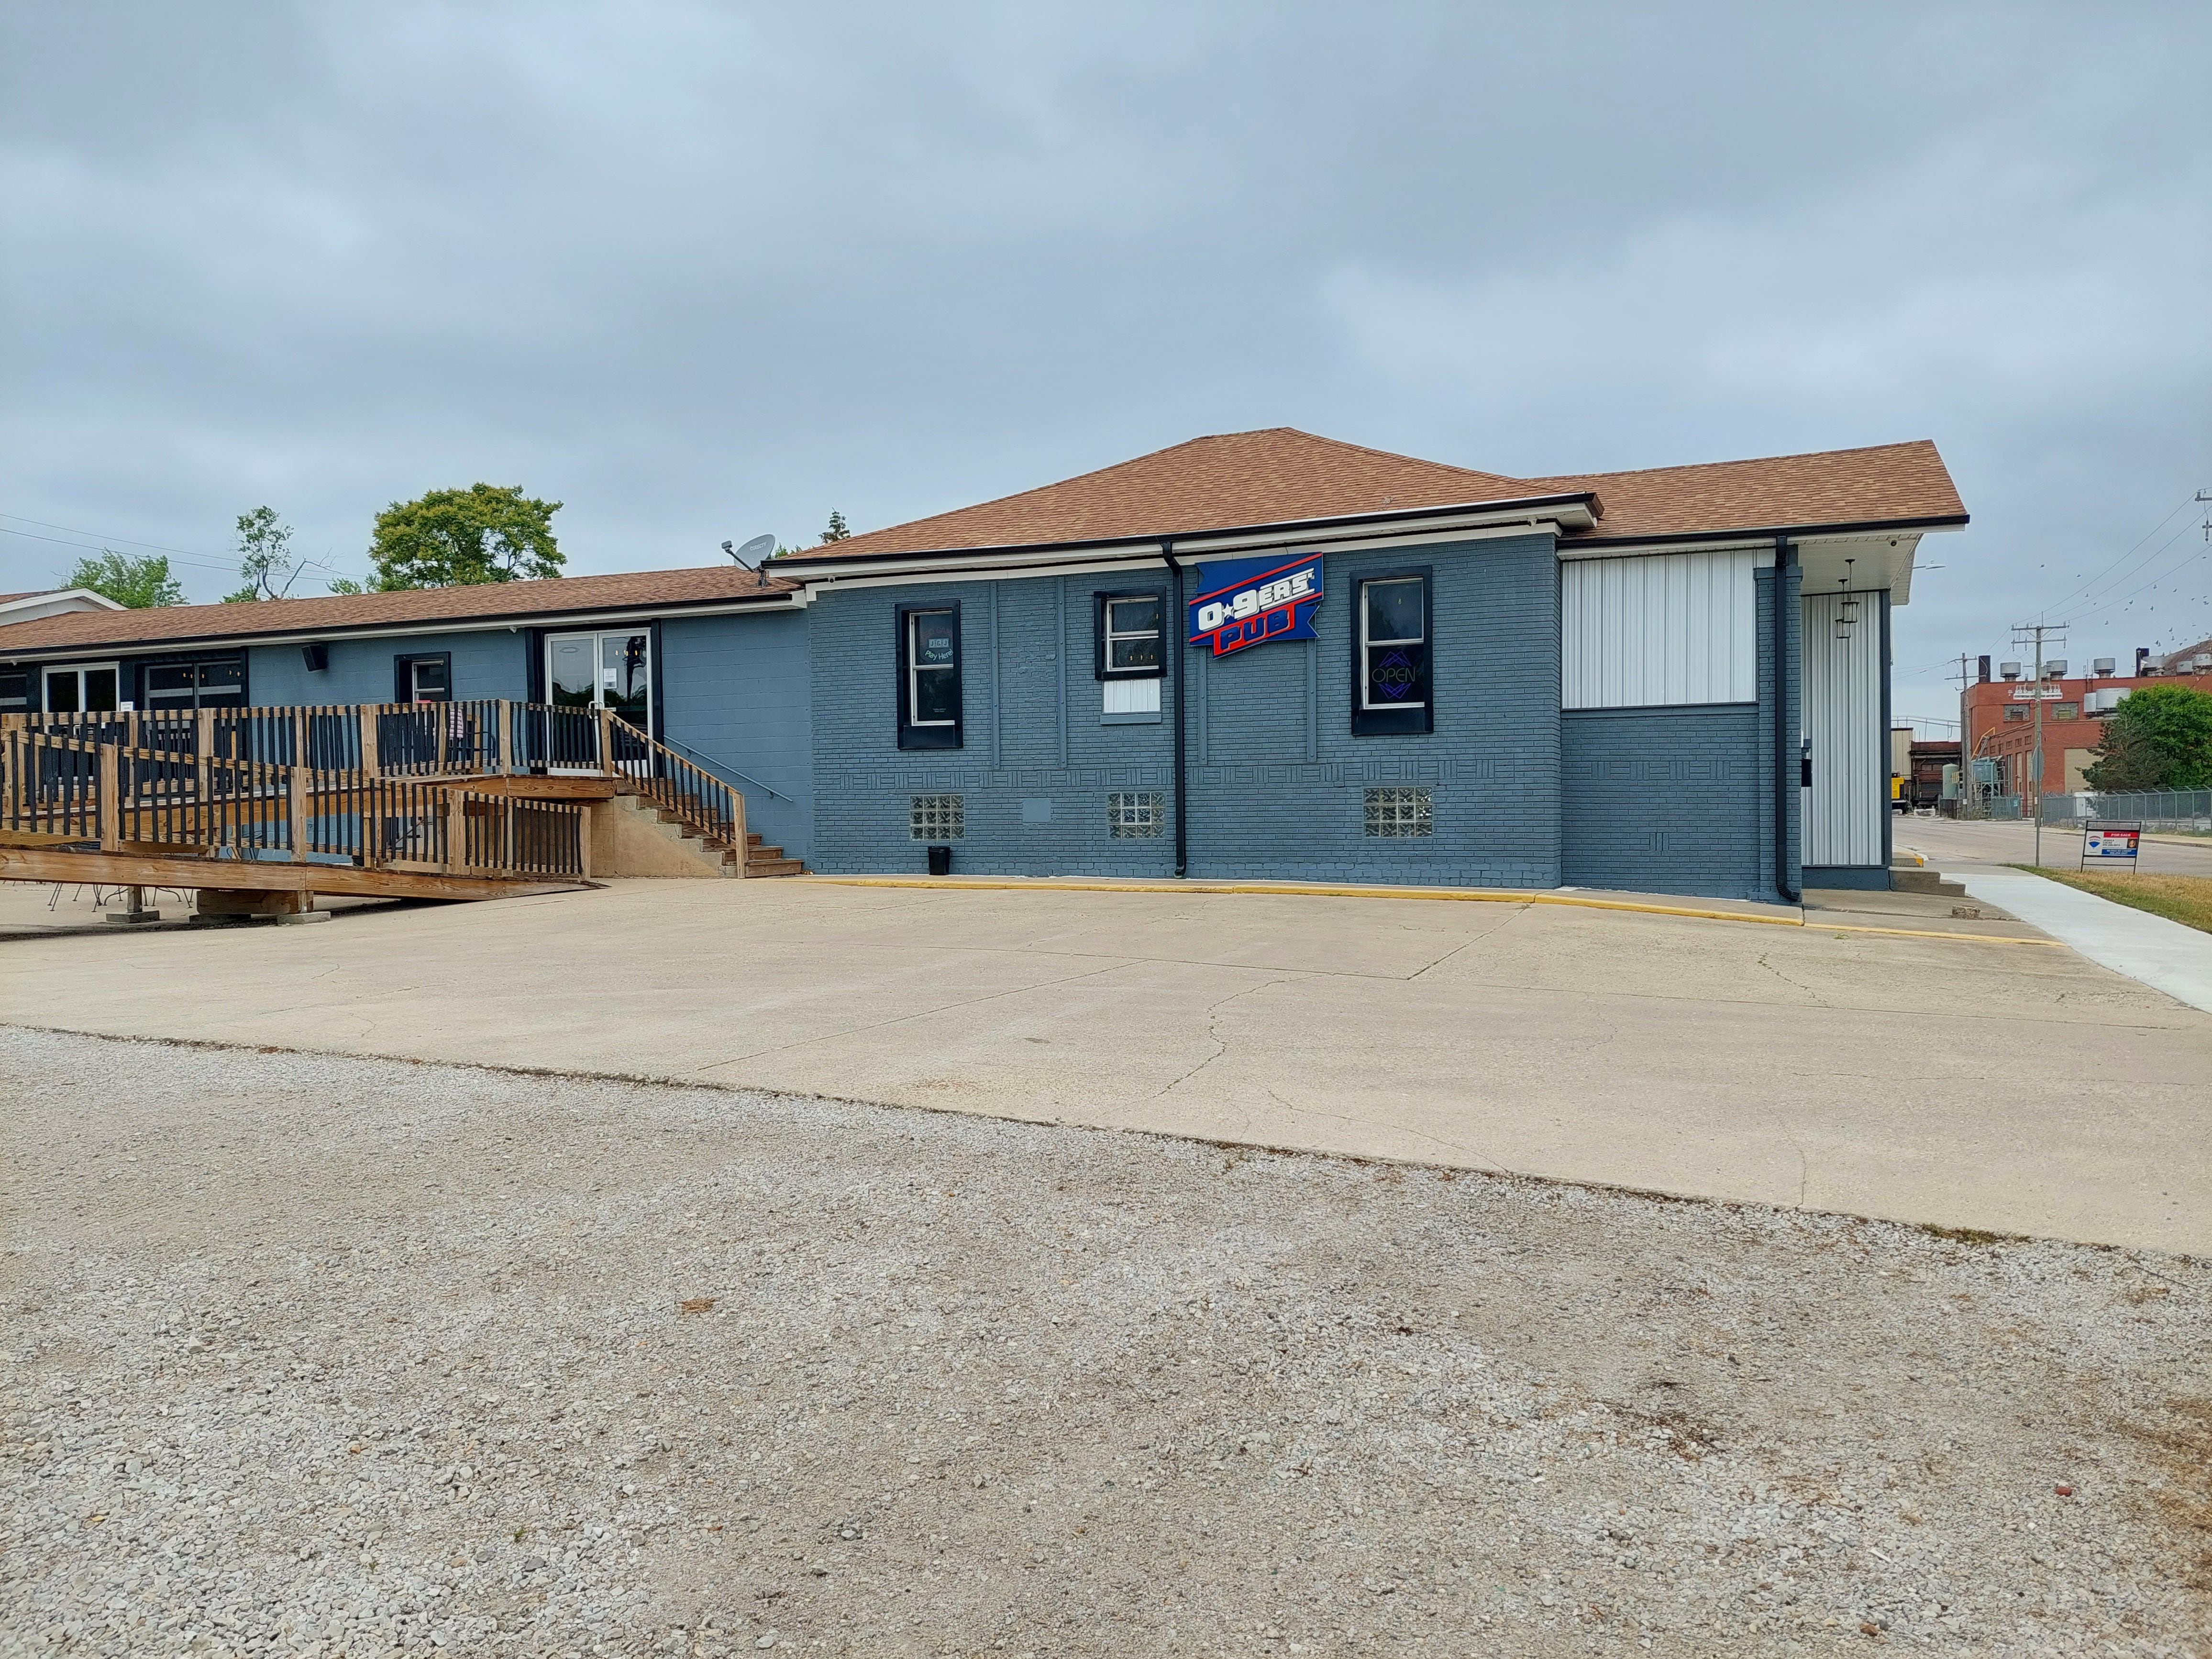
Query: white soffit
point(1884, 560)
point(1659, 630)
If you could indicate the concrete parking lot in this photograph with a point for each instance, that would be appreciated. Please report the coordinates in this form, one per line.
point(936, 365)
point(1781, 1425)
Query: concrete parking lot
point(1890, 1061)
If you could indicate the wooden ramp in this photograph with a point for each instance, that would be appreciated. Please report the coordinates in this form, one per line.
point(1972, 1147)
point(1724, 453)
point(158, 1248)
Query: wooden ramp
point(260, 876)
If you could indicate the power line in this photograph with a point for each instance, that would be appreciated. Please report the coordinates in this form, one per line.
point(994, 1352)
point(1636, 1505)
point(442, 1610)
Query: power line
point(2111, 569)
point(95, 535)
point(99, 544)
point(101, 547)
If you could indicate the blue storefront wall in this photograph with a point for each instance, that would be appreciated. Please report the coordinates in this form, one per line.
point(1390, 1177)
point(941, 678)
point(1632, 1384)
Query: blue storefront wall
point(486, 663)
point(1679, 800)
point(1666, 800)
point(735, 699)
point(1278, 781)
point(1037, 761)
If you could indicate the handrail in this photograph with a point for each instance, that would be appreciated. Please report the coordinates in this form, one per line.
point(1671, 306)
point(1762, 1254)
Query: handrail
point(767, 789)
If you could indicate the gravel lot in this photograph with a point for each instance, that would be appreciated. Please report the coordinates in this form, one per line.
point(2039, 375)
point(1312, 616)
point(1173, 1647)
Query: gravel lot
point(336, 1356)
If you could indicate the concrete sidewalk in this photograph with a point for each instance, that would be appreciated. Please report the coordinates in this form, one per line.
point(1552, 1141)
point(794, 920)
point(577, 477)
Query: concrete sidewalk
point(1961, 1081)
point(2159, 953)
point(1988, 843)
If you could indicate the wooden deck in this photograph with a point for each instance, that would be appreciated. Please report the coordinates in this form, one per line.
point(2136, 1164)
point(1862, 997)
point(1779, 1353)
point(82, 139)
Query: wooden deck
point(446, 800)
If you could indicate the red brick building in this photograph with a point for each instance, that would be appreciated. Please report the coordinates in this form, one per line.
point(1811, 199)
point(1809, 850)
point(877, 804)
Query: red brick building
point(2000, 726)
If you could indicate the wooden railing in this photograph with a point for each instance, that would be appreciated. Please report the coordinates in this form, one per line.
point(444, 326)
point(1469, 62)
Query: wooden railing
point(207, 777)
point(61, 784)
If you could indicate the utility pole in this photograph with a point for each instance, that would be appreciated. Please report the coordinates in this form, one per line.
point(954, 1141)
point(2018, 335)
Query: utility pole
point(1965, 737)
point(2022, 633)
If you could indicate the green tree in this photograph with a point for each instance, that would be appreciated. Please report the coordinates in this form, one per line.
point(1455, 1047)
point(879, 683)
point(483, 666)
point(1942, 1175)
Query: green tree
point(837, 532)
point(2160, 737)
point(462, 538)
point(142, 584)
point(264, 557)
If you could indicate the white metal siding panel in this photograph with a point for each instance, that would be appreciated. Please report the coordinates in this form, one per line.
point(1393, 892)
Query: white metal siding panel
point(1843, 718)
point(1132, 696)
point(1667, 628)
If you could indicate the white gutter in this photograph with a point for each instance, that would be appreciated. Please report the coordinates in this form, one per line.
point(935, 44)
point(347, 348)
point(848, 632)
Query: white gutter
point(1387, 530)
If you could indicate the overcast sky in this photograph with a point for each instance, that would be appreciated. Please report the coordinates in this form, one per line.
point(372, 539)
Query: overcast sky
point(701, 272)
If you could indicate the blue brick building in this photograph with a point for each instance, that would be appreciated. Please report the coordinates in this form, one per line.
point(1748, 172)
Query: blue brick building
point(1260, 656)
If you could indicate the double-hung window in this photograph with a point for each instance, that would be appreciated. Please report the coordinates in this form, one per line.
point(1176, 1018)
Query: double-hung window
point(929, 677)
point(1130, 632)
point(1392, 687)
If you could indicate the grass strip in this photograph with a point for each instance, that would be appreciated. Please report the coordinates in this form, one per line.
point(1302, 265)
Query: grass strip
point(2184, 899)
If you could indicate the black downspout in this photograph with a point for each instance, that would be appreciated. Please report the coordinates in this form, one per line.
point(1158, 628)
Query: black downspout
point(1889, 744)
point(1182, 762)
point(1786, 751)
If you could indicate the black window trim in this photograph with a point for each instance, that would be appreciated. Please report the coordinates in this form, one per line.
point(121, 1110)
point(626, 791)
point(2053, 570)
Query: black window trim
point(911, 736)
point(402, 674)
point(1099, 602)
point(1393, 722)
point(139, 670)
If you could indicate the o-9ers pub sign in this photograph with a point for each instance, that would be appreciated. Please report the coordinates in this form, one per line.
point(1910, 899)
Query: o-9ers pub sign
point(1244, 602)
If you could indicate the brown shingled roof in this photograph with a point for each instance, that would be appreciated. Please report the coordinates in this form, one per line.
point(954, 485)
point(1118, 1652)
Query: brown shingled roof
point(633, 590)
point(1882, 484)
point(1280, 475)
point(1208, 483)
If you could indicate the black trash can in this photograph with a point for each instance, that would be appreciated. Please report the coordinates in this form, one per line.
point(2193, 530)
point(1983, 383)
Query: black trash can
point(940, 860)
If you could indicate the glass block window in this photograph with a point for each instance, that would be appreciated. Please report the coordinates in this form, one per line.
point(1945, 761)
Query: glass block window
point(1406, 811)
point(1136, 814)
point(939, 817)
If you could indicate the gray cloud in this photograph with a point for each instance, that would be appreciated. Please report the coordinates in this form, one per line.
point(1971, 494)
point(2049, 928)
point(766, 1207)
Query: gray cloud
point(699, 271)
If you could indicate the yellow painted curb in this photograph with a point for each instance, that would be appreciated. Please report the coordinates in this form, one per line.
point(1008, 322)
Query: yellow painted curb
point(1462, 894)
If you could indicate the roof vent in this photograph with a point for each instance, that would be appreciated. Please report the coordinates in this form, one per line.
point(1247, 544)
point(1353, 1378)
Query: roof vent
point(2009, 669)
point(2055, 669)
point(2102, 665)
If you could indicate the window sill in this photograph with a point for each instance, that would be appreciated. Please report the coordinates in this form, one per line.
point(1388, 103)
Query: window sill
point(1152, 718)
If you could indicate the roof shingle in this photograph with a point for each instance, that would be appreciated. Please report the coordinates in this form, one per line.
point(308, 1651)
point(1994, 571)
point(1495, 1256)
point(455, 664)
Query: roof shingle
point(632, 590)
point(1276, 475)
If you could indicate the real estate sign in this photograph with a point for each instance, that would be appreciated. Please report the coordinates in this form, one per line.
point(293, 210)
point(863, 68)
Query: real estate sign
point(2112, 840)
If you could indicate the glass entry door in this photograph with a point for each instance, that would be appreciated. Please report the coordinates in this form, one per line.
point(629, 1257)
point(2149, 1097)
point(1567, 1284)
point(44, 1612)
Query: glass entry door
point(602, 670)
point(611, 671)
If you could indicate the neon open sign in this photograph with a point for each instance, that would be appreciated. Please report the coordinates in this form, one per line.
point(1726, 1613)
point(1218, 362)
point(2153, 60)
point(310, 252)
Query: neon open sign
point(1254, 602)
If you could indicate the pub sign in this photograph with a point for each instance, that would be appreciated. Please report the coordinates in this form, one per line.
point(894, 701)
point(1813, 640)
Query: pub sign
point(1244, 602)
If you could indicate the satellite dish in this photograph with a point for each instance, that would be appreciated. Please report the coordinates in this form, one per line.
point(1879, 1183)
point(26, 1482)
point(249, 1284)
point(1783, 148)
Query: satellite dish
point(753, 551)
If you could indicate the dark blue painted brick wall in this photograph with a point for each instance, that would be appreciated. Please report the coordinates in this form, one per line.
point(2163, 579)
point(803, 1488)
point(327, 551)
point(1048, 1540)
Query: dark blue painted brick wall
point(1665, 800)
point(1278, 780)
point(736, 700)
point(487, 663)
point(1031, 722)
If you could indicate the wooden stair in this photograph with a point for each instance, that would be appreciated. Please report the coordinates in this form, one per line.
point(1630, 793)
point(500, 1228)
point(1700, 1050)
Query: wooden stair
point(760, 860)
point(769, 860)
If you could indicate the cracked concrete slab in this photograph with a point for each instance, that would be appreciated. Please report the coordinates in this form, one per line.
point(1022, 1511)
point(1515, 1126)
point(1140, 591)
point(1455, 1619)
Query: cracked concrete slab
point(1953, 1081)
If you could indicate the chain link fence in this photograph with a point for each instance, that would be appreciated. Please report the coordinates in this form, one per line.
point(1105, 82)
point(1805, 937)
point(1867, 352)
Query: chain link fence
point(2169, 809)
